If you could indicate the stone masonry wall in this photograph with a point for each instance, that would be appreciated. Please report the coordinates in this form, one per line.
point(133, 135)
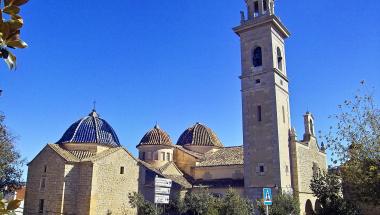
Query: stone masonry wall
point(305, 156)
point(110, 188)
point(54, 180)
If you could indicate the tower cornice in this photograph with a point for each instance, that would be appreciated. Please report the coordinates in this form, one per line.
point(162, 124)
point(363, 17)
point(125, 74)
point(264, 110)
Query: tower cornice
point(272, 19)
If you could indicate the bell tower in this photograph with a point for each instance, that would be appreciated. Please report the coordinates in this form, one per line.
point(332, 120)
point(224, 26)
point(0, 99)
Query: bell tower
point(265, 99)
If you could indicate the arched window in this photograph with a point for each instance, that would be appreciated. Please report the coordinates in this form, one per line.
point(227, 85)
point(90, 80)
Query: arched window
point(257, 57)
point(265, 5)
point(279, 58)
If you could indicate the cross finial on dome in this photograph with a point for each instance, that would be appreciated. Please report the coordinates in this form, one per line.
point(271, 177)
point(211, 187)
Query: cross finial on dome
point(93, 112)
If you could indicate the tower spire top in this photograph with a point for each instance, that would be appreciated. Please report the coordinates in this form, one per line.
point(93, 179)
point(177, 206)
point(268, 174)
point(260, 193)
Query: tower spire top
point(257, 8)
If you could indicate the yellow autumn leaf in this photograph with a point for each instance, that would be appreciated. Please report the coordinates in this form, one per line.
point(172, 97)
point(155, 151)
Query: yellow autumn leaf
point(11, 9)
point(17, 44)
point(19, 2)
point(14, 204)
point(15, 24)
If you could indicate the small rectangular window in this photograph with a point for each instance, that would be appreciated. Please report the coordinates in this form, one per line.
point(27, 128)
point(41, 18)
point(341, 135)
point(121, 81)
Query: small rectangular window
point(265, 5)
point(259, 113)
point(143, 156)
point(122, 170)
point(261, 168)
point(283, 115)
point(43, 184)
point(168, 156)
point(41, 206)
point(163, 156)
point(258, 81)
point(45, 168)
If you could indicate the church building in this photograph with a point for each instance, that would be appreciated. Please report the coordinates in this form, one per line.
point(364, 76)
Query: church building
point(89, 172)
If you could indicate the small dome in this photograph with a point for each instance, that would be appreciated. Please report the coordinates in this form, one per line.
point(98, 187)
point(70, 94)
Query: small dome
point(199, 135)
point(91, 129)
point(156, 136)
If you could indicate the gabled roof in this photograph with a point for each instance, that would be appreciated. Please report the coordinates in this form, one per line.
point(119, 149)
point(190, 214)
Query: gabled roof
point(227, 156)
point(65, 154)
point(170, 169)
point(83, 156)
point(192, 153)
point(178, 179)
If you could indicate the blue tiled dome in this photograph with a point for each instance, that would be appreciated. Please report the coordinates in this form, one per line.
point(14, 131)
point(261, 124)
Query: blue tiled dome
point(91, 129)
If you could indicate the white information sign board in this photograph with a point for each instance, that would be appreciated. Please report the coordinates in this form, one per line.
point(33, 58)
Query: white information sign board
point(162, 190)
point(161, 199)
point(162, 182)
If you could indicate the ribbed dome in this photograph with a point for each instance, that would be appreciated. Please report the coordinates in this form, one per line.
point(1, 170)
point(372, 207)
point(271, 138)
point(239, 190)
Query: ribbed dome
point(156, 136)
point(91, 129)
point(199, 135)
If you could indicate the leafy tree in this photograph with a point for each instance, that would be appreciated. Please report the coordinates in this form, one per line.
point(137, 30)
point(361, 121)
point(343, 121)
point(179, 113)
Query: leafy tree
point(355, 145)
point(234, 204)
point(143, 207)
point(327, 187)
point(283, 204)
point(10, 161)
point(10, 30)
point(201, 203)
point(8, 208)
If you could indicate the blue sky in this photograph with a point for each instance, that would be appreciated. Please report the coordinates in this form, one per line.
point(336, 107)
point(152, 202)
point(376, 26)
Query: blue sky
point(176, 62)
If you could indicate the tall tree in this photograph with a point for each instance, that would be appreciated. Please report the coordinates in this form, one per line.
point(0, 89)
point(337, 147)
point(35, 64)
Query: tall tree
point(10, 161)
point(355, 145)
point(327, 187)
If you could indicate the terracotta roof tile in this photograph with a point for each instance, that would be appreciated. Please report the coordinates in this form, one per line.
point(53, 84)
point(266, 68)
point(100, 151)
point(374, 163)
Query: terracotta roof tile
point(223, 157)
point(156, 136)
point(199, 135)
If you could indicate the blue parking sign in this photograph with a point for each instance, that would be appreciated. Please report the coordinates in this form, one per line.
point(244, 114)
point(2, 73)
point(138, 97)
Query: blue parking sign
point(267, 196)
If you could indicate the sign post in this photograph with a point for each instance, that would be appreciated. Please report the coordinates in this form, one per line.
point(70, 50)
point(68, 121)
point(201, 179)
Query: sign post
point(267, 196)
point(162, 190)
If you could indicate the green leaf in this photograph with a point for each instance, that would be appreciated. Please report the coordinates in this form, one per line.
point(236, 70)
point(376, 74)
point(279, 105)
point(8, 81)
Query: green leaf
point(14, 204)
point(11, 9)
